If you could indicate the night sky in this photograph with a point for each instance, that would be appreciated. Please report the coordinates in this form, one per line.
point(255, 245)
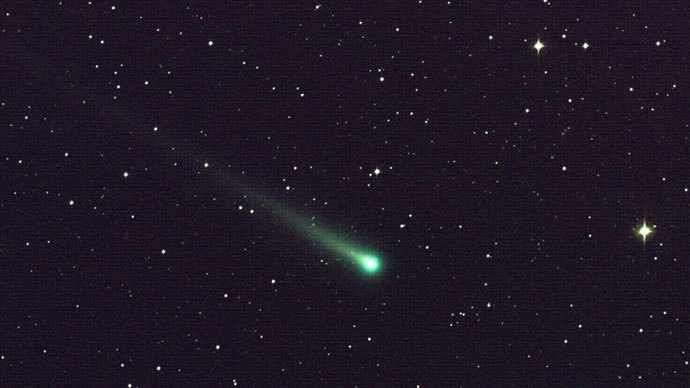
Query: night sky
point(193, 193)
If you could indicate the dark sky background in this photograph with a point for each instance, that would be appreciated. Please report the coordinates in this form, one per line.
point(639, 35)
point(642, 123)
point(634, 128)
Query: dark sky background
point(503, 188)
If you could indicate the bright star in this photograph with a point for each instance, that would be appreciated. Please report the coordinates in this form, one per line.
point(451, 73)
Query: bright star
point(644, 231)
point(585, 45)
point(538, 46)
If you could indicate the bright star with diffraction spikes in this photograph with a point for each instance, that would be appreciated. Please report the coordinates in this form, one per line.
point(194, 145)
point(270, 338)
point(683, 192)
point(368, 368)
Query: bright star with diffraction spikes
point(644, 231)
point(538, 46)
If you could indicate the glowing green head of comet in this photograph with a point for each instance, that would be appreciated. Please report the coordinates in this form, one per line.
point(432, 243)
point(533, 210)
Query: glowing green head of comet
point(369, 263)
point(359, 257)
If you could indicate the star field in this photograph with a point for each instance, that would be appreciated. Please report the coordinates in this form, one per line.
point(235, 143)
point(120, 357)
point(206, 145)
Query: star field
point(344, 194)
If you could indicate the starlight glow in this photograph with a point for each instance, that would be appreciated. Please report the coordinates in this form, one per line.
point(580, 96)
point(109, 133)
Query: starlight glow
point(644, 231)
point(538, 46)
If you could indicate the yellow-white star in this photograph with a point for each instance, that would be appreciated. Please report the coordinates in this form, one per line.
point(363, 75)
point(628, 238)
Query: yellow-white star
point(644, 231)
point(585, 45)
point(538, 46)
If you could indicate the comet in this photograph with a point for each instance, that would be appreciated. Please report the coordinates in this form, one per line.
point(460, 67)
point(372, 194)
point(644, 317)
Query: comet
point(343, 249)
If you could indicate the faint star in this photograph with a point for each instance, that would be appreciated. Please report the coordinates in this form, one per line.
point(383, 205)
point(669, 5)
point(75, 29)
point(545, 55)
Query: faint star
point(538, 46)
